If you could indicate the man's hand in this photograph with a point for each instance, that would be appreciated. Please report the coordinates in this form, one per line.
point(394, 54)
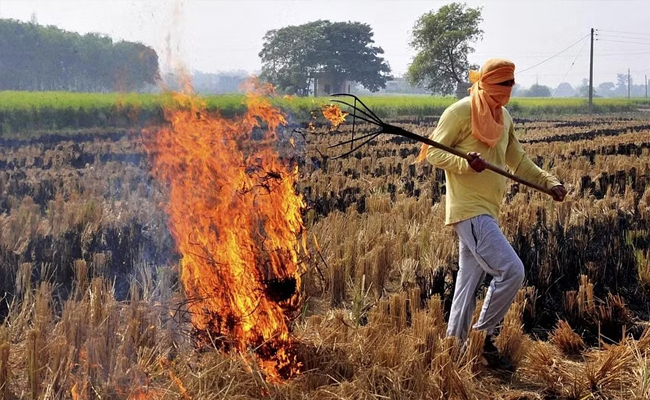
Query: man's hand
point(558, 192)
point(478, 163)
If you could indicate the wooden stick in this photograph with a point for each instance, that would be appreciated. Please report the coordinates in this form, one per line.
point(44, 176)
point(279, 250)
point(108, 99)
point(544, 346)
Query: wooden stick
point(403, 132)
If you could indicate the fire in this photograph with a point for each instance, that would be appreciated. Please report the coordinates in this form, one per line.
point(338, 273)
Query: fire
point(334, 114)
point(236, 219)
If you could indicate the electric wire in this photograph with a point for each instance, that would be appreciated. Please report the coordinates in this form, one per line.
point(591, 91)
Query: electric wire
point(570, 67)
point(552, 57)
point(642, 39)
point(601, 36)
point(625, 33)
point(630, 53)
point(621, 41)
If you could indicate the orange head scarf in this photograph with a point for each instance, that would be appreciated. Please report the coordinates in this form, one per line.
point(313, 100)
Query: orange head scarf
point(486, 100)
point(487, 97)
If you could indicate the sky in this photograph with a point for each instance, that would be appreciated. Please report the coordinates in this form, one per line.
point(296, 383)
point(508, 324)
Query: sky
point(227, 35)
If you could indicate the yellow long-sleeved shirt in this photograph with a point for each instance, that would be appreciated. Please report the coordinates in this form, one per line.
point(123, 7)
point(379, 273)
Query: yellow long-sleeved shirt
point(470, 193)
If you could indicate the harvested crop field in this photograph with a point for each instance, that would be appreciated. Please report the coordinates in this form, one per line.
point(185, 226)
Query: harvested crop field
point(93, 305)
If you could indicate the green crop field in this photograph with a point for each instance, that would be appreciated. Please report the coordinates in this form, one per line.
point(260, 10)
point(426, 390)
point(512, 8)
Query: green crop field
point(12, 100)
point(22, 112)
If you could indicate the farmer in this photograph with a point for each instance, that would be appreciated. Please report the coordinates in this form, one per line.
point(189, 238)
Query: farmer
point(481, 127)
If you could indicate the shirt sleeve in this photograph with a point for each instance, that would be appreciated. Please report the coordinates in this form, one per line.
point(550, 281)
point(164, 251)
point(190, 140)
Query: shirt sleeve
point(447, 132)
point(521, 165)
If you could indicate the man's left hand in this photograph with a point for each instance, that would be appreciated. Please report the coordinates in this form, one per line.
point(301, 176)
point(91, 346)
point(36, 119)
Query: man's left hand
point(558, 192)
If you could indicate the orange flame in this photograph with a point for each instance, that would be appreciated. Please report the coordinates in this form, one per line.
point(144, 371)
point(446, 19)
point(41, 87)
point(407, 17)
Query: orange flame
point(236, 219)
point(145, 394)
point(334, 114)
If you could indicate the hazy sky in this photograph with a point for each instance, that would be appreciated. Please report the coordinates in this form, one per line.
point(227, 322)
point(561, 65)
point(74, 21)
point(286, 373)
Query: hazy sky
point(224, 35)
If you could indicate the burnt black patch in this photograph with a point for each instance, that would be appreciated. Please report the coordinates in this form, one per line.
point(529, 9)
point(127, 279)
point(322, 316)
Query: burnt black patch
point(279, 290)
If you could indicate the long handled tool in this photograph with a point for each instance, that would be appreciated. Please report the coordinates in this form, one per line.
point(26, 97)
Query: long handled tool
point(365, 114)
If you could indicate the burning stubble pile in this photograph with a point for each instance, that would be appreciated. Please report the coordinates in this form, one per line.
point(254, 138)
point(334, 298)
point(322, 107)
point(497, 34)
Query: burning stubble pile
point(197, 285)
point(236, 219)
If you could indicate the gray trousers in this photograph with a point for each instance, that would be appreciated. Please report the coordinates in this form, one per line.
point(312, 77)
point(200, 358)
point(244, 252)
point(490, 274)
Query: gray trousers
point(483, 249)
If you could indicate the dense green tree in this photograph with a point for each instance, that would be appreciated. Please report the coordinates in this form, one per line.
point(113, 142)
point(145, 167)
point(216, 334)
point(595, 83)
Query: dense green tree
point(34, 57)
point(443, 40)
point(294, 55)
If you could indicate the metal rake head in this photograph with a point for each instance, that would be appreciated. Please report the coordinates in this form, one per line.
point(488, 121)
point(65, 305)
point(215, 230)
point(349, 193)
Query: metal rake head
point(359, 111)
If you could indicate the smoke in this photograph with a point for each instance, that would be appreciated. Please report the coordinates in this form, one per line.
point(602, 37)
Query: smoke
point(172, 59)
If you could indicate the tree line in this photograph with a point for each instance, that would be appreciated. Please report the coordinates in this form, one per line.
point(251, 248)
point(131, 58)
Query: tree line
point(318, 57)
point(46, 58)
point(621, 88)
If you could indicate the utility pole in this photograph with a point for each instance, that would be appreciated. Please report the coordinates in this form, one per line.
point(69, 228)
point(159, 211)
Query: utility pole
point(646, 86)
point(591, 72)
point(628, 83)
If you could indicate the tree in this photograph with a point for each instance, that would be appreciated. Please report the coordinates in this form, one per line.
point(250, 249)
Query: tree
point(35, 57)
point(211, 83)
point(294, 55)
point(564, 89)
point(621, 85)
point(606, 89)
point(583, 91)
point(442, 40)
point(538, 91)
point(517, 91)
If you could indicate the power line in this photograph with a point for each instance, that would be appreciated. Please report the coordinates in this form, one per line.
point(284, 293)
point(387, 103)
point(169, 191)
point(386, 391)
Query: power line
point(552, 57)
point(576, 73)
point(632, 53)
point(571, 66)
point(527, 56)
point(624, 37)
point(625, 33)
point(620, 41)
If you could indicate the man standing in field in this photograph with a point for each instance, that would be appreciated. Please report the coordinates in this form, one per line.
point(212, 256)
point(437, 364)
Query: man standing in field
point(479, 126)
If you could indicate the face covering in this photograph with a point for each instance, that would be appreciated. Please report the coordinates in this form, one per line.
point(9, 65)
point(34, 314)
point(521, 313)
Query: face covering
point(487, 97)
point(486, 100)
